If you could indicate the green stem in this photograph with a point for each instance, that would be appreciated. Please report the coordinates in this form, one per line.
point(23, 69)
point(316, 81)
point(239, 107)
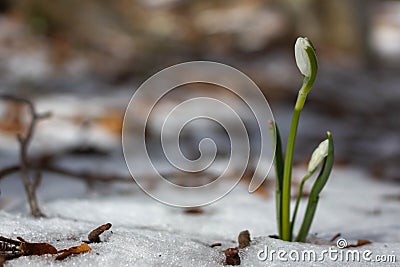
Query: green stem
point(301, 97)
point(287, 172)
point(299, 195)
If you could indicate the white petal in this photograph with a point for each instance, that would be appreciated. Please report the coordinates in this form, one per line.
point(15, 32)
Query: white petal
point(301, 56)
point(318, 155)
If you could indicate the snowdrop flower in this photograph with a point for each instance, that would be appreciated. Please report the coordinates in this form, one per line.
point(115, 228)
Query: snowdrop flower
point(305, 56)
point(318, 156)
point(306, 61)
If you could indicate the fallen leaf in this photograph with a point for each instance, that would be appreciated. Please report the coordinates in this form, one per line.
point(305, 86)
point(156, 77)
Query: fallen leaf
point(83, 248)
point(335, 237)
point(112, 121)
point(9, 241)
point(9, 255)
point(28, 248)
point(360, 242)
point(12, 119)
point(244, 239)
point(215, 245)
point(263, 192)
point(232, 256)
point(194, 210)
point(94, 236)
point(6, 247)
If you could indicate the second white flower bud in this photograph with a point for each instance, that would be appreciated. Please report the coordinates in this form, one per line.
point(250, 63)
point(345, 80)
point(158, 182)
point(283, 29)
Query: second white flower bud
point(318, 156)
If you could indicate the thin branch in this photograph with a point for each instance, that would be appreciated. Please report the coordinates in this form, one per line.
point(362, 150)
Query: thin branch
point(79, 175)
point(24, 140)
point(8, 170)
point(88, 176)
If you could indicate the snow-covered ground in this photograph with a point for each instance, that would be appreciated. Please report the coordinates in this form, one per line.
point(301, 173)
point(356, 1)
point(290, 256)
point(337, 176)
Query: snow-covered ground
point(147, 233)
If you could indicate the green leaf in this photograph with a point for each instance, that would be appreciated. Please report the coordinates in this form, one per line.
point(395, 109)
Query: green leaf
point(278, 166)
point(278, 160)
point(319, 184)
point(317, 157)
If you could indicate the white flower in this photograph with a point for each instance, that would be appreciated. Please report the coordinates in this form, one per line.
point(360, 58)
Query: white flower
point(318, 155)
point(302, 59)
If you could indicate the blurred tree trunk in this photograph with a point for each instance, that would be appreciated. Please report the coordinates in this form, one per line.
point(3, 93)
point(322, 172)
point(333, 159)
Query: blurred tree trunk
point(340, 24)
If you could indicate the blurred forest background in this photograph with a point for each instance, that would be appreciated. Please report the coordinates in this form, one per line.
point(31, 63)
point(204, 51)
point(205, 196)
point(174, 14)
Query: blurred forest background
point(82, 60)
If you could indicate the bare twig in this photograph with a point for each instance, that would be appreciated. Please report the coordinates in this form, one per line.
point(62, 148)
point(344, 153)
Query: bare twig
point(8, 170)
point(87, 176)
point(30, 184)
point(79, 175)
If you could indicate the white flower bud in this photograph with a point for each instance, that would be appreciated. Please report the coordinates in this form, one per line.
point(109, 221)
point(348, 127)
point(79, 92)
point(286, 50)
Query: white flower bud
point(302, 59)
point(318, 155)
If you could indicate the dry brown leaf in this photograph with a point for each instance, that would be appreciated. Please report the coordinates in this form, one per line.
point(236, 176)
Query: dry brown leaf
point(218, 244)
point(263, 192)
point(38, 249)
point(94, 236)
point(9, 255)
point(112, 121)
point(83, 248)
point(244, 239)
point(232, 256)
point(335, 237)
point(360, 242)
point(194, 210)
point(11, 121)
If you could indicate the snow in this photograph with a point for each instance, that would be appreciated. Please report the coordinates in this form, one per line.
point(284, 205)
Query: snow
point(148, 233)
